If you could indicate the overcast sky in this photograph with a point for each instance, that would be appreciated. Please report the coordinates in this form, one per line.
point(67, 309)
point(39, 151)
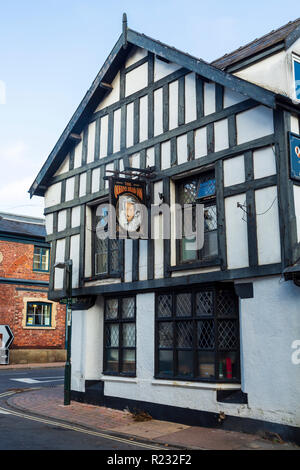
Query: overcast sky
point(51, 50)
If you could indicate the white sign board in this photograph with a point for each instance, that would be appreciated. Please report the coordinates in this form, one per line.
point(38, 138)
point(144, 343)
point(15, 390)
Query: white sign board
point(6, 337)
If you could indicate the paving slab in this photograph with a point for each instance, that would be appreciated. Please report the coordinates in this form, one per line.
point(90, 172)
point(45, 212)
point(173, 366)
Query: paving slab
point(49, 402)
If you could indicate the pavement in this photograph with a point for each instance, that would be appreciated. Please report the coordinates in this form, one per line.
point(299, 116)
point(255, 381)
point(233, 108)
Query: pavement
point(48, 402)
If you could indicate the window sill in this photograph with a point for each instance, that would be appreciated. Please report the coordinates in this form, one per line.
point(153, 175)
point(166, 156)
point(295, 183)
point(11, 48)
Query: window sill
point(196, 264)
point(32, 327)
point(109, 378)
point(197, 385)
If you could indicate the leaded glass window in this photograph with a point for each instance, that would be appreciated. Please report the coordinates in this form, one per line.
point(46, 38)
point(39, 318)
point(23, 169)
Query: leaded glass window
point(107, 253)
point(197, 335)
point(120, 336)
point(200, 189)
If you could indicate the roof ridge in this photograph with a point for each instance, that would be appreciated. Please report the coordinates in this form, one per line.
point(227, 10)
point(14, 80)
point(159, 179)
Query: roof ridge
point(256, 39)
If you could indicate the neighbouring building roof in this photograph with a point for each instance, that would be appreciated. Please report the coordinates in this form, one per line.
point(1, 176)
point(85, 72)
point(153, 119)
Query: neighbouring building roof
point(23, 226)
point(282, 37)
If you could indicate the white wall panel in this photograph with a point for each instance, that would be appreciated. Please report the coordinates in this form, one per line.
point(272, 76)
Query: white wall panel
point(232, 97)
point(78, 153)
point(136, 54)
point(110, 166)
point(158, 232)
point(62, 220)
point(136, 79)
point(150, 157)
point(236, 233)
point(264, 162)
point(158, 111)
point(129, 124)
point(221, 135)
point(267, 221)
point(190, 98)
point(234, 170)
point(95, 180)
point(209, 98)
point(60, 256)
point(143, 118)
point(53, 195)
point(173, 105)
point(254, 123)
point(165, 155)
point(182, 153)
point(135, 160)
point(75, 216)
point(162, 69)
point(88, 241)
point(74, 256)
point(117, 131)
point(111, 96)
point(128, 253)
point(200, 137)
point(70, 186)
point(64, 167)
point(49, 224)
point(82, 185)
point(91, 142)
point(104, 136)
point(295, 124)
point(143, 260)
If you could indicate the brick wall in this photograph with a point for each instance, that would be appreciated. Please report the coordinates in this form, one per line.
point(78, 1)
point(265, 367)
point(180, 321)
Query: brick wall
point(17, 263)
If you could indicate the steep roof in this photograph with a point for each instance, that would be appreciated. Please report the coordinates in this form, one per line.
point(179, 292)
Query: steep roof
point(127, 39)
point(277, 39)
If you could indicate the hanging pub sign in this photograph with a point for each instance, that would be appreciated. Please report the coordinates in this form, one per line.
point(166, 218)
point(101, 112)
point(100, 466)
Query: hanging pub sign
point(295, 156)
point(128, 197)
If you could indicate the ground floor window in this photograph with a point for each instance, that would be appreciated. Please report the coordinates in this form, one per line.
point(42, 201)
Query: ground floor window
point(120, 336)
point(197, 335)
point(38, 314)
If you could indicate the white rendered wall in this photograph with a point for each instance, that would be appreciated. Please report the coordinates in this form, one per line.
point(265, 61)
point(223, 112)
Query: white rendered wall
point(162, 69)
point(87, 345)
point(236, 233)
point(52, 195)
point(234, 170)
point(267, 222)
point(112, 96)
point(136, 79)
point(254, 123)
point(264, 162)
point(269, 325)
point(275, 72)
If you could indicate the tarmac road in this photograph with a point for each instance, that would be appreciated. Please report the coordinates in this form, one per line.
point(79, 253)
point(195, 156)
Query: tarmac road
point(26, 431)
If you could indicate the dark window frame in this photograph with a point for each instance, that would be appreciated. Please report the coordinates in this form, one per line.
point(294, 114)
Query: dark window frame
point(296, 60)
point(200, 261)
point(35, 325)
point(118, 321)
point(40, 262)
point(214, 318)
point(110, 273)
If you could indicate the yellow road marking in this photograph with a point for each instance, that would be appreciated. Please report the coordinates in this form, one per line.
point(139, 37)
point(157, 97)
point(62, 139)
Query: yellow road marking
point(78, 429)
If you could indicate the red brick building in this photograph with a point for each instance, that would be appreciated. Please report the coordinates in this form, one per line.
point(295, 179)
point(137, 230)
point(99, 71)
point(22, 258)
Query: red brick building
point(38, 324)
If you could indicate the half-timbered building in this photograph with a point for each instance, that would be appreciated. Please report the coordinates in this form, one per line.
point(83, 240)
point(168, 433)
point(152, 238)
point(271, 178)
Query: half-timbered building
point(203, 336)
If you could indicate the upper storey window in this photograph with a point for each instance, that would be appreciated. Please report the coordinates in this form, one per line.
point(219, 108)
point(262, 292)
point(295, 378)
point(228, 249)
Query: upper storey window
point(297, 77)
point(41, 259)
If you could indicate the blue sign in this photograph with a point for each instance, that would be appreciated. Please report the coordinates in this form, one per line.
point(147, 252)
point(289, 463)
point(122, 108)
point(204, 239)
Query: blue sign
point(295, 156)
point(207, 188)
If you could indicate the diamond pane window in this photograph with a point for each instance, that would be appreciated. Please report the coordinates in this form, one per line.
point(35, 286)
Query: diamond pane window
point(111, 309)
point(200, 189)
point(128, 307)
point(119, 336)
point(129, 335)
point(199, 340)
point(164, 305)
point(106, 253)
point(204, 303)
point(165, 335)
point(183, 305)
